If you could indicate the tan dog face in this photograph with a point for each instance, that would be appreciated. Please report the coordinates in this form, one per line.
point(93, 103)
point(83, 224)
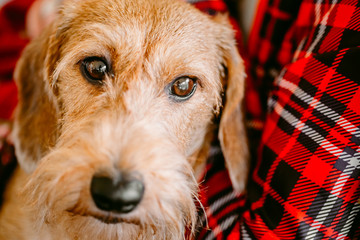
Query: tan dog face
point(125, 90)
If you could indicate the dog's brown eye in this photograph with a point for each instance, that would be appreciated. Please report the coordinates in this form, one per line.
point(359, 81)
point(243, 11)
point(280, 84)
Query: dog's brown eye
point(94, 69)
point(183, 88)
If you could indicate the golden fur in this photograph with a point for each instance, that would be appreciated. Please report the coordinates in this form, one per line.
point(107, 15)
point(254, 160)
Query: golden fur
point(67, 129)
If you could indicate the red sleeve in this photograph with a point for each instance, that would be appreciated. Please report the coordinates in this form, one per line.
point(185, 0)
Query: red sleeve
point(12, 41)
point(306, 181)
point(303, 60)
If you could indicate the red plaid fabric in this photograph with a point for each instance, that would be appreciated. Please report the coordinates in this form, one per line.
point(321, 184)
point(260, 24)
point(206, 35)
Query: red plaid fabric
point(12, 41)
point(305, 184)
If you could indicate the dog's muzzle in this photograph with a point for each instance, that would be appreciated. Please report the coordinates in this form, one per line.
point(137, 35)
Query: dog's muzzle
point(120, 195)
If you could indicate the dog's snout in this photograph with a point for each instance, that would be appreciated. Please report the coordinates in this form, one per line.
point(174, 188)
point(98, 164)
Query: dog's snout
point(120, 195)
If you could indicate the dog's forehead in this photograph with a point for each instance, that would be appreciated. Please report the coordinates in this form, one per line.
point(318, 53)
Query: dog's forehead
point(140, 20)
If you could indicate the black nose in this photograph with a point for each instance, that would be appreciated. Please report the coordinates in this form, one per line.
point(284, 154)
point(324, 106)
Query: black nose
point(120, 195)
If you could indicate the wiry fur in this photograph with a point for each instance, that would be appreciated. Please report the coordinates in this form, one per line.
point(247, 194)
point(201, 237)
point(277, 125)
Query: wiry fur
point(67, 130)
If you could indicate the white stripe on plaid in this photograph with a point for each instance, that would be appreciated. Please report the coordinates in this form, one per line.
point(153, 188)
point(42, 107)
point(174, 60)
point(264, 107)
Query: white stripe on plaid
point(244, 233)
point(328, 206)
point(222, 227)
point(320, 34)
point(350, 221)
point(353, 162)
point(220, 204)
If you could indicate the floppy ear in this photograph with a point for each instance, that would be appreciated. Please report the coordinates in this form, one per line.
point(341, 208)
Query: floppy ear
point(232, 133)
point(35, 124)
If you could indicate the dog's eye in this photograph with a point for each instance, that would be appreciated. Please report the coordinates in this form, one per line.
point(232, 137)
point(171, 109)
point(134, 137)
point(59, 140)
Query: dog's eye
point(183, 87)
point(94, 69)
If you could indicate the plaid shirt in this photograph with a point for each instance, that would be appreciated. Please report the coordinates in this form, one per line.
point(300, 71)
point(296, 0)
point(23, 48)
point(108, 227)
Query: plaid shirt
point(305, 179)
point(305, 183)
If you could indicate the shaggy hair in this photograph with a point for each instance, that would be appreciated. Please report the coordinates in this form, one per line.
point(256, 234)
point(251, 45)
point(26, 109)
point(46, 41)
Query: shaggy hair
point(68, 129)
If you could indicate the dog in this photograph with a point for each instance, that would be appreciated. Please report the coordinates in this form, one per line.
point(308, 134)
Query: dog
point(117, 101)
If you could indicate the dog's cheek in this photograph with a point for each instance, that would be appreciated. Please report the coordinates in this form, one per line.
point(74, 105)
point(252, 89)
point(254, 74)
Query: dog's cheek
point(77, 96)
point(199, 114)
